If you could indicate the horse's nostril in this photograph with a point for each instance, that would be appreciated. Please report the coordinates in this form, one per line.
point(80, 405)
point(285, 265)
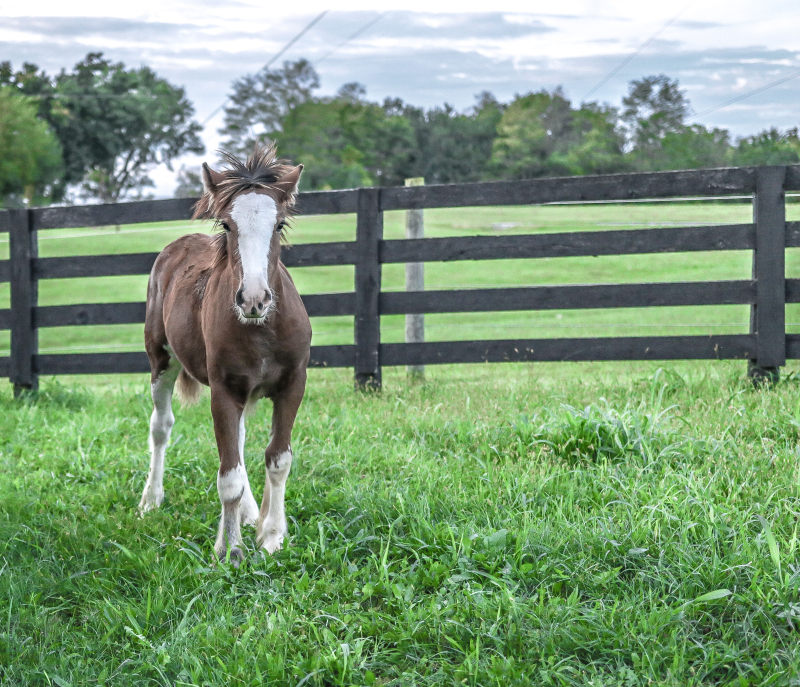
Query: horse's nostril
point(260, 305)
point(239, 298)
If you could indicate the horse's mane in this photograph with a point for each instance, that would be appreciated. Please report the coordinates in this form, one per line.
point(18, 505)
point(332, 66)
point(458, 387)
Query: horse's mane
point(260, 171)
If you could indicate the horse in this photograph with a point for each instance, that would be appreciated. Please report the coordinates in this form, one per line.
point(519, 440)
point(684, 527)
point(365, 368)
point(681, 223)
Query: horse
point(222, 311)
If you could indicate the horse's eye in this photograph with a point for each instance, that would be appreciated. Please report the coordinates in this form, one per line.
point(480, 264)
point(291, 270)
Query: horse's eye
point(225, 226)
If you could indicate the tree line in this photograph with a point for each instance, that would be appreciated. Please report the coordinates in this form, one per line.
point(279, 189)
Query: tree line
point(97, 131)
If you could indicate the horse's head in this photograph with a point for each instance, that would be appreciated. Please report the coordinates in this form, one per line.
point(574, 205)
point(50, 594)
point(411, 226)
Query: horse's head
point(252, 201)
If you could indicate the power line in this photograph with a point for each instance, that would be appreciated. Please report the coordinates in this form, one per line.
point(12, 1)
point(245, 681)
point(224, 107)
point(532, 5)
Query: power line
point(273, 58)
point(636, 52)
point(743, 96)
point(297, 37)
point(351, 37)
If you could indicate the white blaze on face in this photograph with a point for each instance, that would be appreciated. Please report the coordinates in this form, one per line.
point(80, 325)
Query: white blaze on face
point(255, 215)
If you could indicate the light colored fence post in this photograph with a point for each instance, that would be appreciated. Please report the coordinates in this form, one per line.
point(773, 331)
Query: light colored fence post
point(415, 281)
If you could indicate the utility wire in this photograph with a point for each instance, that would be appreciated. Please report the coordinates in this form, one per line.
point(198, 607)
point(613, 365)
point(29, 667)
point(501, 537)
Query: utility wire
point(273, 58)
point(351, 37)
point(296, 38)
point(636, 52)
point(743, 96)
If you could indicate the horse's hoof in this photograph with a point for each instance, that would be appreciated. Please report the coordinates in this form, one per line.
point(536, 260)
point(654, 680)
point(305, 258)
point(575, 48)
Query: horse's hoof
point(271, 541)
point(236, 556)
point(150, 501)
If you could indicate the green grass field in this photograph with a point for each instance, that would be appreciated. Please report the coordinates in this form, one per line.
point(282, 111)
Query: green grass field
point(540, 524)
point(553, 524)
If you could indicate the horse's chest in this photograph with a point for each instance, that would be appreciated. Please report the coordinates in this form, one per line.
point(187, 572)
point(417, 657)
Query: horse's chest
point(265, 374)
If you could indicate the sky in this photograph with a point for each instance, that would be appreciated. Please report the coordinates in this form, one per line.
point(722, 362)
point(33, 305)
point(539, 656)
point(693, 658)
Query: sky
point(737, 61)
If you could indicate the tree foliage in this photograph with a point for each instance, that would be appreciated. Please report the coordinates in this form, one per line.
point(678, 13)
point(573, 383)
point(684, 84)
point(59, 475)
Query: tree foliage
point(654, 107)
point(347, 141)
point(114, 124)
point(101, 128)
point(770, 147)
point(541, 134)
point(260, 102)
point(190, 183)
point(138, 120)
point(30, 156)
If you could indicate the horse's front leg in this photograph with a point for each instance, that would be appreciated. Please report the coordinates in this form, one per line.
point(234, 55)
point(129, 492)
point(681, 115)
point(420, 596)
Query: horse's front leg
point(232, 483)
point(272, 528)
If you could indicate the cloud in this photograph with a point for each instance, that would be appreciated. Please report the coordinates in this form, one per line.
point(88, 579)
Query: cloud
point(76, 27)
point(430, 58)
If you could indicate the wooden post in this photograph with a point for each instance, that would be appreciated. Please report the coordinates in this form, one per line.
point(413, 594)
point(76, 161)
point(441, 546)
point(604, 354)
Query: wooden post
point(369, 232)
point(24, 298)
point(767, 315)
point(415, 281)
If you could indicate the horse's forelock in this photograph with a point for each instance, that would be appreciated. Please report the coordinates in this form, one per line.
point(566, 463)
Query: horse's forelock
point(259, 172)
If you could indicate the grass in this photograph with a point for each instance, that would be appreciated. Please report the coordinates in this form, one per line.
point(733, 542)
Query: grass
point(555, 524)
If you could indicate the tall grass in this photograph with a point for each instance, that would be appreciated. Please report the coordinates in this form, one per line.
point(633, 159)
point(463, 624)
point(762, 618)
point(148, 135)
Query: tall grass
point(497, 525)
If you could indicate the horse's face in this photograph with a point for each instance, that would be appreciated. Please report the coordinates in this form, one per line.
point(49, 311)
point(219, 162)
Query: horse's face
point(254, 223)
point(254, 220)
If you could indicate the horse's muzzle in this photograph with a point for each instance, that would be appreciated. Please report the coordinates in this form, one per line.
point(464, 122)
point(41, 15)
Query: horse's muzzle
point(253, 308)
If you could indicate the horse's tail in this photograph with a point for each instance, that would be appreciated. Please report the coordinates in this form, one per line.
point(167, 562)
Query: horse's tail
point(188, 388)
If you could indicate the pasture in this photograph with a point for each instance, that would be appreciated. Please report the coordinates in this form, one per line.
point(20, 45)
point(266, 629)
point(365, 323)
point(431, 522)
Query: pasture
point(556, 524)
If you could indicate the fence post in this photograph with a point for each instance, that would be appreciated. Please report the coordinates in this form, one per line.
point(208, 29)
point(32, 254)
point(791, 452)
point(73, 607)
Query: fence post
point(415, 281)
point(369, 232)
point(767, 315)
point(24, 297)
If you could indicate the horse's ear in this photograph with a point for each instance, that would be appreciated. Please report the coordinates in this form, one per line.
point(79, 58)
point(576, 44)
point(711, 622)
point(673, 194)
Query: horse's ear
point(288, 183)
point(211, 179)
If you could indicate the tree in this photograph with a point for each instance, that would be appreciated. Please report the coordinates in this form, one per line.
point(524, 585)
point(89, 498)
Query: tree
point(30, 157)
point(595, 142)
point(260, 103)
point(541, 134)
point(452, 146)
point(190, 183)
point(769, 147)
point(692, 147)
point(654, 107)
point(346, 141)
point(120, 123)
point(114, 124)
point(39, 87)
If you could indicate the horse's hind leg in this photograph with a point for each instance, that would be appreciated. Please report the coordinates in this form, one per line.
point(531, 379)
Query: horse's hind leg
point(165, 372)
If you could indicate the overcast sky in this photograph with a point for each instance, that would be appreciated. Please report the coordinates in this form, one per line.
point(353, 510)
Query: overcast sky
point(738, 61)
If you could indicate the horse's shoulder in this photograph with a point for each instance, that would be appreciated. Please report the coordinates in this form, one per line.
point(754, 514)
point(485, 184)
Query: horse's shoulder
point(197, 248)
point(191, 242)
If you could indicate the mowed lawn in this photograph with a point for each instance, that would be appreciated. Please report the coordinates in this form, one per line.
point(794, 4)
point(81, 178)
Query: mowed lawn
point(552, 524)
point(465, 274)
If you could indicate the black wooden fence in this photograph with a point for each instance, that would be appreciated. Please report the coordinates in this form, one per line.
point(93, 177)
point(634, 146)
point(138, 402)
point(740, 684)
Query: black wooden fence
point(766, 346)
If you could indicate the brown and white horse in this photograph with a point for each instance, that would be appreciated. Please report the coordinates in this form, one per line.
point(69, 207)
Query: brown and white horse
point(223, 311)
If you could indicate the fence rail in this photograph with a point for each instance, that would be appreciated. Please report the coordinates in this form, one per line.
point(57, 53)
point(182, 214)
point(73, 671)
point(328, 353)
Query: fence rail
point(766, 347)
